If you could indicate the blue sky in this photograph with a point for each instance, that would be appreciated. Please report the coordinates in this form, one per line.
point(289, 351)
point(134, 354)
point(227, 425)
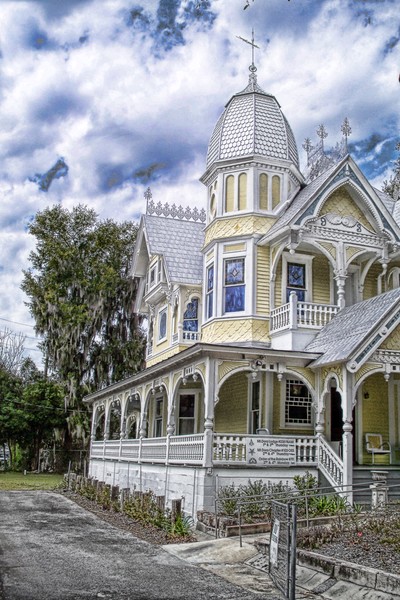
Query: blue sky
point(100, 99)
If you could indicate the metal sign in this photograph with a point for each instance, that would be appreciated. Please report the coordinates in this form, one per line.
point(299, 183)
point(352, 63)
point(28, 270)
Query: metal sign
point(273, 549)
point(270, 451)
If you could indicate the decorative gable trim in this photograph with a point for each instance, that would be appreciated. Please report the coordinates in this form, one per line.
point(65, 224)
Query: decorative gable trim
point(372, 343)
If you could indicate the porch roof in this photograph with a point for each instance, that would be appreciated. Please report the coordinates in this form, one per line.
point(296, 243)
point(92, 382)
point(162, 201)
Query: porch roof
point(197, 351)
point(351, 328)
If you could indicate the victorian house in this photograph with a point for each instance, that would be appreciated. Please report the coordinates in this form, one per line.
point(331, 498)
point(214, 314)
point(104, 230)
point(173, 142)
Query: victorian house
point(273, 322)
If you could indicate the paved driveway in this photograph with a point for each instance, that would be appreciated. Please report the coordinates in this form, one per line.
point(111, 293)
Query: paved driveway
point(51, 549)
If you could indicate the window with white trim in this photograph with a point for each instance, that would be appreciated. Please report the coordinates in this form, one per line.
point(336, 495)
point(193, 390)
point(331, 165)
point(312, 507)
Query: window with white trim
point(187, 414)
point(158, 416)
point(255, 403)
point(234, 284)
point(162, 324)
point(297, 404)
point(210, 292)
point(297, 276)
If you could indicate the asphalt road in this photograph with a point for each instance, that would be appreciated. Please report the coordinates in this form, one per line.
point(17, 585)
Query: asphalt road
point(51, 549)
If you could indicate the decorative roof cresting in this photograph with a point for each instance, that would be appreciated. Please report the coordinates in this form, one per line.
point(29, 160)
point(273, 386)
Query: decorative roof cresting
point(173, 211)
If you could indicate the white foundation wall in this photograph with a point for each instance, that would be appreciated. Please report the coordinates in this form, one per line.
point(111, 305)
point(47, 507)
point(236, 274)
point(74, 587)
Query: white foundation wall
point(195, 486)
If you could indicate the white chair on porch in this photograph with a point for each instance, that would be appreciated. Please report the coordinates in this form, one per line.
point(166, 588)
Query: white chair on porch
point(375, 445)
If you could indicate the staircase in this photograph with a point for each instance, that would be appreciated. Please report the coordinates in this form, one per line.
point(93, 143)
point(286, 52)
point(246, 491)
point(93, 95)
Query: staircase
point(362, 479)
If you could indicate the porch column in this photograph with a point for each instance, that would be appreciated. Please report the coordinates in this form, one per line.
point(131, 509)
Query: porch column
point(107, 420)
point(347, 406)
point(209, 396)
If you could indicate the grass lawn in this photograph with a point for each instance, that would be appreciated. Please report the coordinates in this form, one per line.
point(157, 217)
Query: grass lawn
point(11, 480)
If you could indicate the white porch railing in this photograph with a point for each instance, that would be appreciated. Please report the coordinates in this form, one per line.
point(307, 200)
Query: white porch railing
point(330, 464)
point(228, 449)
point(297, 314)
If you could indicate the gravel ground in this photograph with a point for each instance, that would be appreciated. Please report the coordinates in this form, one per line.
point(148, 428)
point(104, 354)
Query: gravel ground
point(373, 542)
point(361, 546)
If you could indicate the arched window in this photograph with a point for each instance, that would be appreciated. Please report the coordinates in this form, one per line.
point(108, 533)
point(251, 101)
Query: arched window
point(229, 193)
point(242, 204)
point(276, 190)
point(263, 191)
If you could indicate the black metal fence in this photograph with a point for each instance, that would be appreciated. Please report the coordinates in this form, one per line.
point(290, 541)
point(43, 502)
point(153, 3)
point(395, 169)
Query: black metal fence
point(282, 558)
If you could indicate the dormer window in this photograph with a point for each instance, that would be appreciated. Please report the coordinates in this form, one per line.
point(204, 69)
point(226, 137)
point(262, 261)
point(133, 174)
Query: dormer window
point(155, 275)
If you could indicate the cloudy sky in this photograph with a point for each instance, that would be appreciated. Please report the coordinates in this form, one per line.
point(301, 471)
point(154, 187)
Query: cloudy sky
point(100, 99)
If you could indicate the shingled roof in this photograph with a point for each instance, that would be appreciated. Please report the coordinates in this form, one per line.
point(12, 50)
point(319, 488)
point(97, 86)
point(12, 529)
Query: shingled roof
point(348, 330)
point(180, 243)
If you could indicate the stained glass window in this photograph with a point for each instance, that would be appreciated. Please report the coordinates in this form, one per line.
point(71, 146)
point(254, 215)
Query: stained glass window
point(234, 285)
point(162, 324)
point(296, 280)
point(210, 291)
point(190, 318)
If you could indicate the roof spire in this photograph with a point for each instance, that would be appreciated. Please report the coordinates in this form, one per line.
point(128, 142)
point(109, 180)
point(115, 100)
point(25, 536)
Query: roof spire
point(252, 67)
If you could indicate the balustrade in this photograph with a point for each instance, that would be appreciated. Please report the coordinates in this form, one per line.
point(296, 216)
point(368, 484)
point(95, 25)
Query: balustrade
point(296, 314)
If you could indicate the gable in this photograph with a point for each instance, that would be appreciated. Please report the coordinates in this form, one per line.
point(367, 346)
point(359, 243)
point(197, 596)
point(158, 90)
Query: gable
point(392, 342)
point(341, 203)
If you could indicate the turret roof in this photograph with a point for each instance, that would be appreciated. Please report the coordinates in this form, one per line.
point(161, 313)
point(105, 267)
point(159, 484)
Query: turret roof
point(252, 123)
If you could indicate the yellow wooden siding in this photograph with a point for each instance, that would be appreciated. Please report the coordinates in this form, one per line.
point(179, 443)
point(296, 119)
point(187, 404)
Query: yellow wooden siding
point(321, 276)
point(235, 330)
point(375, 414)
point(232, 408)
point(241, 247)
point(263, 280)
point(392, 342)
point(370, 285)
point(341, 203)
point(237, 226)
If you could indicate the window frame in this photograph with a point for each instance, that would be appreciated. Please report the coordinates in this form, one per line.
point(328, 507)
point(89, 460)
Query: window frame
point(287, 382)
point(188, 392)
point(239, 284)
point(251, 411)
point(163, 310)
point(299, 259)
point(158, 419)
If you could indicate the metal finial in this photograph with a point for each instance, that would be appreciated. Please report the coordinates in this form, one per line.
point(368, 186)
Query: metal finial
point(346, 130)
point(307, 145)
point(252, 67)
point(322, 133)
point(148, 195)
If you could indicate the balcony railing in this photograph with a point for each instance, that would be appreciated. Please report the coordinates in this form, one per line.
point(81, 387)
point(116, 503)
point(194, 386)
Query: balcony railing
point(296, 314)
